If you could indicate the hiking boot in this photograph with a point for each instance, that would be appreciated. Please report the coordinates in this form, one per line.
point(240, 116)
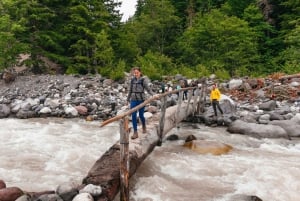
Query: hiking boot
point(135, 135)
point(144, 129)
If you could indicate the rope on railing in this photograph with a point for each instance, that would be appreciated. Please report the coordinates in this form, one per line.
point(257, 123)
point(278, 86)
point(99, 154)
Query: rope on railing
point(153, 98)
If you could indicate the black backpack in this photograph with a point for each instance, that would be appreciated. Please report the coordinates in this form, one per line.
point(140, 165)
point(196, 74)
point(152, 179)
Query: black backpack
point(141, 81)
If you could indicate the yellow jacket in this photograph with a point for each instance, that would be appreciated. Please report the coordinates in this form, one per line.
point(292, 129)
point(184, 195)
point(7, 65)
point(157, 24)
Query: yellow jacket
point(215, 94)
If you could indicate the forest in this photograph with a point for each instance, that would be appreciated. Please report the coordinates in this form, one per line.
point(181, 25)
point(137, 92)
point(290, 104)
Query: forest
point(194, 38)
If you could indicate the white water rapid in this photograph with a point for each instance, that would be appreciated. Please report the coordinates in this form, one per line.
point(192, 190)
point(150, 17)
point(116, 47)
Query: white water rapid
point(40, 154)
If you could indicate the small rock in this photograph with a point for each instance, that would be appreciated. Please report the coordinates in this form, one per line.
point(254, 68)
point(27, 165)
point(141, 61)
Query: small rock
point(91, 189)
point(83, 197)
point(2, 184)
point(10, 193)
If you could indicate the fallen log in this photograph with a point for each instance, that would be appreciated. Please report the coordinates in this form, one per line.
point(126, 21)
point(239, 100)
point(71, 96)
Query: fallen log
point(106, 171)
point(287, 77)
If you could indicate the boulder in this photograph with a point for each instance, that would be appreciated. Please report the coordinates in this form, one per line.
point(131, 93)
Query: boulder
point(257, 130)
point(10, 193)
point(2, 184)
point(94, 190)
point(8, 77)
point(67, 191)
point(4, 111)
point(82, 110)
point(292, 129)
point(268, 106)
point(208, 147)
point(83, 197)
point(24, 197)
point(50, 197)
point(244, 198)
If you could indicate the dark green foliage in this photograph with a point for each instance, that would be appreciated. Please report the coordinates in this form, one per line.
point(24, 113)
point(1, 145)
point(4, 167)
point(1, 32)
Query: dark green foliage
point(238, 7)
point(165, 37)
point(215, 41)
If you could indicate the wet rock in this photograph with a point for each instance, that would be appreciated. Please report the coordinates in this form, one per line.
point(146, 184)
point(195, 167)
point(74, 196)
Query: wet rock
point(208, 147)
point(24, 198)
point(45, 110)
point(190, 138)
point(50, 197)
point(8, 77)
point(25, 114)
point(10, 193)
point(172, 137)
point(257, 130)
point(235, 83)
point(89, 118)
point(244, 198)
point(228, 120)
point(67, 191)
point(264, 119)
point(70, 111)
point(2, 184)
point(296, 118)
point(94, 190)
point(82, 110)
point(4, 111)
point(275, 116)
point(290, 126)
point(268, 106)
point(227, 106)
point(83, 197)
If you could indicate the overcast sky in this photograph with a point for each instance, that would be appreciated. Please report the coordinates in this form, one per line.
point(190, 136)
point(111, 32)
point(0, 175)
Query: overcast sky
point(127, 8)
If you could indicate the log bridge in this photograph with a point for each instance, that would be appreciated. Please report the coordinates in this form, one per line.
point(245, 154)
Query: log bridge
point(114, 168)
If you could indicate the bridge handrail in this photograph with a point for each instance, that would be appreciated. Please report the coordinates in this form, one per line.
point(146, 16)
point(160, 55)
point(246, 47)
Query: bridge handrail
point(149, 100)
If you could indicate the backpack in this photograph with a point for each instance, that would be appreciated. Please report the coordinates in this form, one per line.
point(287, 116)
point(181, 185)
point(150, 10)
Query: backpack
point(139, 88)
point(141, 81)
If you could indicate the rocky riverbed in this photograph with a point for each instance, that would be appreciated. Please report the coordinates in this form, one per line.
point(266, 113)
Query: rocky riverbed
point(60, 96)
point(269, 102)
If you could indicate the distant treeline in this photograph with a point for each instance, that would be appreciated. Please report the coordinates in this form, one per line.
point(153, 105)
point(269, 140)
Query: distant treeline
point(194, 38)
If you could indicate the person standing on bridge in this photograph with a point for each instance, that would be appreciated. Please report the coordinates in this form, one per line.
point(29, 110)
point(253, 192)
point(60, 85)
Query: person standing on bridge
point(215, 96)
point(136, 96)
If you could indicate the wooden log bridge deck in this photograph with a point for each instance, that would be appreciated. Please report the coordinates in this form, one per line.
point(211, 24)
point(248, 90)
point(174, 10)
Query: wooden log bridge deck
point(113, 170)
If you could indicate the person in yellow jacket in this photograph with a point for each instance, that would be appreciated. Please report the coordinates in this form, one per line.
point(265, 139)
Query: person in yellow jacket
point(215, 96)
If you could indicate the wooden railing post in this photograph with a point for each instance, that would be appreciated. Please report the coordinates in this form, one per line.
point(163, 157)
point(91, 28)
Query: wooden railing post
point(179, 106)
point(202, 99)
point(195, 100)
point(190, 95)
point(124, 159)
point(162, 120)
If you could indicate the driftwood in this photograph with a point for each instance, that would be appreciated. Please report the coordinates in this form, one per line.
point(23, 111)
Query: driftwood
point(287, 77)
point(106, 170)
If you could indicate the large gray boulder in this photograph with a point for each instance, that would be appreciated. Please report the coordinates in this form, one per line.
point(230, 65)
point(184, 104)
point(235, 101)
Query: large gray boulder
point(291, 126)
point(4, 111)
point(257, 130)
point(268, 106)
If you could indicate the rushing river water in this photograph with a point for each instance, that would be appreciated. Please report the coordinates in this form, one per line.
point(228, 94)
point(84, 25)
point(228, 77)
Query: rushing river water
point(40, 154)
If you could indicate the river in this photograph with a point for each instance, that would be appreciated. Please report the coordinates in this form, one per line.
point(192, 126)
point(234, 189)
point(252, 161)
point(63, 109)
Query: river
point(40, 154)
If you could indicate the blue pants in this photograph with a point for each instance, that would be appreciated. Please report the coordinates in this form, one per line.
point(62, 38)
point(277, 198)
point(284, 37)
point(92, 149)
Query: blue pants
point(134, 114)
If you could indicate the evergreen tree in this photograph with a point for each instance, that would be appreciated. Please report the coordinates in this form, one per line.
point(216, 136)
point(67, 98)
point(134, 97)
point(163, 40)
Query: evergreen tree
point(266, 37)
point(289, 58)
point(10, 47)
point(220, 42)
point(156, 27)
point(238, 7)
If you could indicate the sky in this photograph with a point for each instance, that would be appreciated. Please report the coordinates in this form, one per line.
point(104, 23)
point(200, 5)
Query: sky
point(127, 8)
